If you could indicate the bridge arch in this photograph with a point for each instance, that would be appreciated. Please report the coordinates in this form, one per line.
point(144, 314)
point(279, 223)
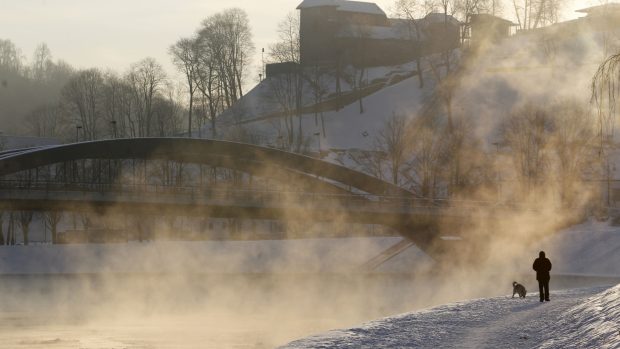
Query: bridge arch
point(245, 157)
point(419, 224)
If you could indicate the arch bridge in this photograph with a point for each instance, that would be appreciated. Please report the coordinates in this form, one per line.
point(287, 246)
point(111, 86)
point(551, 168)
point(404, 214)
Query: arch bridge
point(117, 175)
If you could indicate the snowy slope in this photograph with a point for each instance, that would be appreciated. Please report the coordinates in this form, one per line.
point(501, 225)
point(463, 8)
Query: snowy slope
point(578, 318)
point(524, 68)
point(345, 128)
point(348, 128)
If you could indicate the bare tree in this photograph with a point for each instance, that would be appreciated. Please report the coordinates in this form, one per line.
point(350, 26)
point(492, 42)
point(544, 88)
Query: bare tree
point(445, 89)
point(52, 219)
point(11, 58)
point(605, 89)
point(286, 89)
point(45, 121)
point(371, 162)
point(185, 54)
point(229, 38)
point(410, 9)
point(320, 88)
point(209, 78)
point(464, 9)
point(146, 79)
point(446, 71)
point(117, 105)
point(81, 95)
point(287, 48)
point(533, 14)
point(25, 218)
point(570, 144)
point(167, 112)
point(527, 133)
point(41, 60)
point(429, 148)
point(241, 45)
point(610, 39)
point(393, 140)
point(10, 237)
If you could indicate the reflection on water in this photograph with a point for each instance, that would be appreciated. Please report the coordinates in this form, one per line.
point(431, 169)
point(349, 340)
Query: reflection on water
point(206, 311)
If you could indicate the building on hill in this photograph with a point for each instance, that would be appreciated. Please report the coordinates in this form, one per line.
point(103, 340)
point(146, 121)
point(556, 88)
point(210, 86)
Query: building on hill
point(360, 33)
point(273, 69)
point(602, 10)
point(598, 19)
point(602, 17)
point(487, 28)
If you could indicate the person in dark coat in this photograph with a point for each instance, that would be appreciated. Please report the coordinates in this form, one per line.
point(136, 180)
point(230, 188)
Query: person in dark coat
point(542, 265)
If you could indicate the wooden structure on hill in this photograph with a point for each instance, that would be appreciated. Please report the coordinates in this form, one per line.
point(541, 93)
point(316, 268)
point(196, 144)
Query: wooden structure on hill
point(360, 33)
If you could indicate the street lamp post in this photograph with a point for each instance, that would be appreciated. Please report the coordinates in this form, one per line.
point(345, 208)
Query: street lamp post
point(77, 133)
point(499, 174)
point(318, 136)
point(113, 123)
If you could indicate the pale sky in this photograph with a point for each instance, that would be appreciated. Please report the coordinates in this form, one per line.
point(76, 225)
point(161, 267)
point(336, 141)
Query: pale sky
point(115, 33)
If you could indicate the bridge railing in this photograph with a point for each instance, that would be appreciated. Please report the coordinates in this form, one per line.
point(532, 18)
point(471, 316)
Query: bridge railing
point(226, 193)
point(219, 192)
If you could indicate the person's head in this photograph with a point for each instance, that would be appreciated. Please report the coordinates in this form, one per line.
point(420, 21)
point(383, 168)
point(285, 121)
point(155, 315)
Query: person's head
point(541, 254)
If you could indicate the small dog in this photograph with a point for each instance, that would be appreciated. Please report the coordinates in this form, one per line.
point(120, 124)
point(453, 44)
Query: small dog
point(519, 289)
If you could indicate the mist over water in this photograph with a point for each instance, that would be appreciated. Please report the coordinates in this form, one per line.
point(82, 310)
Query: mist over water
point(220, 310)
point(500, 99)
point(202, 311)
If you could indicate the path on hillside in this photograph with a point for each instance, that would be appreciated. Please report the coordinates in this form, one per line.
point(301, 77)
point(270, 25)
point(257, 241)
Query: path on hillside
point(500, 322)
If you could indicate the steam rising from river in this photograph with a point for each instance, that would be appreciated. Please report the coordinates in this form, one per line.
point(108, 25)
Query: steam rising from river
point(267, 308)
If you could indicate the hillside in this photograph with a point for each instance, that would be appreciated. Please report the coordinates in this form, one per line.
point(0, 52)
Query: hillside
point(391, 90)
point(540, 67)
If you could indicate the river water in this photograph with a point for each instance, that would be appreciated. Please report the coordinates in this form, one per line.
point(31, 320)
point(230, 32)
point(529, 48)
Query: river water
point(211, 311)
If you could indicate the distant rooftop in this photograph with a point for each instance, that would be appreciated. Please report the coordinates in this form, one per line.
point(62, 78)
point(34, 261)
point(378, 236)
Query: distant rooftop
point(489, 18)
point(345, 6)
point(436, 17)
point(397, 31)
point(601, 8)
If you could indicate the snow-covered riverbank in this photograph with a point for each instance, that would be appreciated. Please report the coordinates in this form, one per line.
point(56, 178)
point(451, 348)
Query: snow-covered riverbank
point(577, 318)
